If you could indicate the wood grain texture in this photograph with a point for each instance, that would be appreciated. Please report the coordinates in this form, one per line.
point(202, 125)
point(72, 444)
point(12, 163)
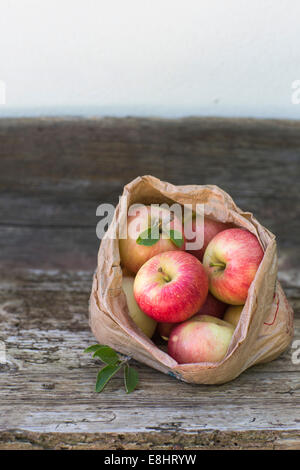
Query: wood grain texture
point(46, 386)
point(53, 175)
point(55, 172)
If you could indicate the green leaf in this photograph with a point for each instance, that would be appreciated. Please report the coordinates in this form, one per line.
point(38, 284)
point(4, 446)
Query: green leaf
point(93, 348)
point(146, 238)
point(107, 355)
point(176, 237)
point(131, 378)
point(105, 375)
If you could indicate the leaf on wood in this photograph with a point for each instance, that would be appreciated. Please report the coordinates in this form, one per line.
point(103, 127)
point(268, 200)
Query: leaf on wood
point(93, 348)
point(131, 378)
point(105, 375)
point(107, 355)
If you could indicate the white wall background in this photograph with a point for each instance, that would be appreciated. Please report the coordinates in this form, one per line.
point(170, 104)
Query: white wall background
point(156, 57)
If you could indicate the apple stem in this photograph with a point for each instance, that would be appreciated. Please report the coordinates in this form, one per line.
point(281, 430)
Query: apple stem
point(220, 265)
point(165, 276)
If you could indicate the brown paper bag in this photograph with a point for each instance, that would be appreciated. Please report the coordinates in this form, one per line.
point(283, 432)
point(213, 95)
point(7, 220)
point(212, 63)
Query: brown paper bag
point(266, 326)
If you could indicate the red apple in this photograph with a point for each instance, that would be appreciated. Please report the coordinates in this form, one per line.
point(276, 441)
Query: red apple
point(171, 286)
point(164, 329)
point(201, 339)
point(231, 260)
point(134, 255)
point(213, 307)
point(211, 228)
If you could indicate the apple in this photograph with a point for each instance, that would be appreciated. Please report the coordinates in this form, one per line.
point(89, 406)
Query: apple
point(213, 307)
point(133, 254)
point(145, 323)
point(231, 260)
point(164, 329)
point(210, 229)
point(171, 286)
point(202, 339)
point(233, 313)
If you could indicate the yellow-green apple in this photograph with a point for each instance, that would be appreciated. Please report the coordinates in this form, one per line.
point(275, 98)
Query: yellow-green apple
point(201, 339)
point(213, 307)
point(171, 286)
point(210, 229)
point(231, 260)
point(145, 323)
point(164, 329)
point(139, 245)
point(233, 313)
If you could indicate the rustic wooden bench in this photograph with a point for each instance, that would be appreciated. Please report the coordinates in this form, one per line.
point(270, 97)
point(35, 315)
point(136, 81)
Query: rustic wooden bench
point(53, 175)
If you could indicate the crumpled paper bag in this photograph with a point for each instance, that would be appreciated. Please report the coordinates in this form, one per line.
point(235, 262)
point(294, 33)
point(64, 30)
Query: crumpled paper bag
point(266, 325)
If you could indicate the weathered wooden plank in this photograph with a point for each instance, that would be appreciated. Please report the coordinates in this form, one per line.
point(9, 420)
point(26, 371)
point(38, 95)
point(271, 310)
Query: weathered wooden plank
point(55, 172)
point(70, 157)
point(43, 248)
point(46, 386)
point(87, 418)
point(268, 440)
point(79, 150)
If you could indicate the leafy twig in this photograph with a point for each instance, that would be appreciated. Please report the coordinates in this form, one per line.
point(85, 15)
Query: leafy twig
point(113, 364)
